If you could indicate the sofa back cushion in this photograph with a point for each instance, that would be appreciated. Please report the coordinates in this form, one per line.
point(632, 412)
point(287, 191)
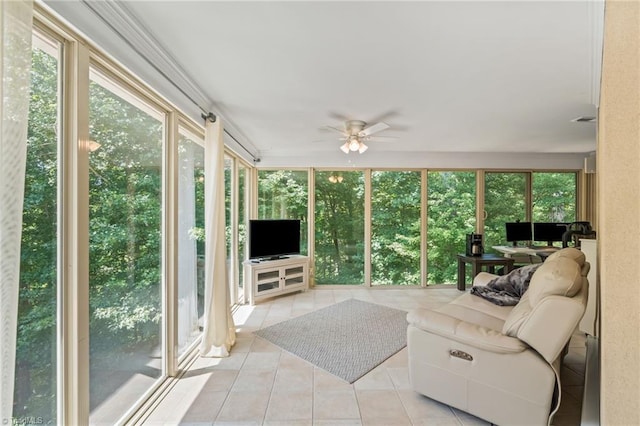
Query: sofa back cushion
point(561, 274)
point(571, 253)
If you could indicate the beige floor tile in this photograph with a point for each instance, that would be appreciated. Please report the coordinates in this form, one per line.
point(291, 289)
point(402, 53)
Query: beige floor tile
point(288, 423)
point(262, 345)
point(378, 378)
point(295, 379)
point(290, 406)
point(244, 407)
point(469, 420)
point(220, 380)
point(204, 408)
point(400, 377)
point(254, 381)
point(323, 380)
point(399, 359)
point(376, 405)
point(337, 422)
point(288, 360)
point(419, 407)
point(261, 361)
point(335, 404)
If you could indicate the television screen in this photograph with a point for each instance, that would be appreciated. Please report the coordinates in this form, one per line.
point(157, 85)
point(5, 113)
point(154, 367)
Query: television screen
point(548, 231)
point(518, 231)
point(273, 238)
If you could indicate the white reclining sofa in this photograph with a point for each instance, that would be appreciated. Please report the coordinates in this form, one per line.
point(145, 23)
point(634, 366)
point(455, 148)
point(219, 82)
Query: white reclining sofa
point(501, 363)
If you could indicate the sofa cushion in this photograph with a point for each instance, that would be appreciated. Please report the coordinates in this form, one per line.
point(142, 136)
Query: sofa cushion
point(558, 276)
point(517, 316)
point(467, 307)
point(571, 253)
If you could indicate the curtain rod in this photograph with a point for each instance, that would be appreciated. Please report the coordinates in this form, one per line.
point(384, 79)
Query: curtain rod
point(206, 114)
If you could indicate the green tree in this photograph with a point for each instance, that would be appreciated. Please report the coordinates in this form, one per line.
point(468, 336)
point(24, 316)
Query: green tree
point(339, 227)
point(451, 208)
point(35, 384)
point(395, 227)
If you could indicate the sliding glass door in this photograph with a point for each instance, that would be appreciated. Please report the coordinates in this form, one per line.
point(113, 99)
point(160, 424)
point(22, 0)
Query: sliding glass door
point(505, 200)
point(339, 227)
point(451, 214)
point(36, 346)
point(395, 227)
point(125, 230)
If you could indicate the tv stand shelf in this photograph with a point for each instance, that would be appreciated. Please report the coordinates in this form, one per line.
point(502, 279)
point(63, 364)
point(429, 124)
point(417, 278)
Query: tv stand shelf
point(268, 278)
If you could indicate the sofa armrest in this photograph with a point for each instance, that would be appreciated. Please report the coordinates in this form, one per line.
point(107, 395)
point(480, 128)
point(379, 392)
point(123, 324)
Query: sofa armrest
point(464, 332)
point(483, 278)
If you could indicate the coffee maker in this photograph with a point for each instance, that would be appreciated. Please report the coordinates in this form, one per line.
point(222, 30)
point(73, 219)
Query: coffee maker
point(474, 245)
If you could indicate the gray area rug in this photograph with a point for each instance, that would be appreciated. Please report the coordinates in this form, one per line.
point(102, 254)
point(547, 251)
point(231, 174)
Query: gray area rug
point(347, 339)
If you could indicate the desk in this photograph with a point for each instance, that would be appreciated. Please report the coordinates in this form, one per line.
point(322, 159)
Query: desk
point(520, 252)
point(477, 262)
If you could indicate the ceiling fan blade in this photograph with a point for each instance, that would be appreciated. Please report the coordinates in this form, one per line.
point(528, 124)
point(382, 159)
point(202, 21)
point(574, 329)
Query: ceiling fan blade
point(338, 116)
point(334, 129)
point(378, 127)
point(384, 116)
point(382, 138)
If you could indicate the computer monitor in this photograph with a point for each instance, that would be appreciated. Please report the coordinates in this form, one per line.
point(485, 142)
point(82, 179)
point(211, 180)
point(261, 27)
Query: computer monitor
point(549, 232)
point(518, 231)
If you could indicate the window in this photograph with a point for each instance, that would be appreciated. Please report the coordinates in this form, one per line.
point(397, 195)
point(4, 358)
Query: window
point(36, 346)
point(554, 196)
point(191, 259)
point(242, 226)
point(283, 194)
point(339, 227)
point(505, 200)
point(125, 267)
point(395, 227)
point(451, 214)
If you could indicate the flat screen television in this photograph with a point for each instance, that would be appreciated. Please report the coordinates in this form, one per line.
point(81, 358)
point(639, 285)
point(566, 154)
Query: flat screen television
point(518, 231)
point(549, 232)
point(273, 238)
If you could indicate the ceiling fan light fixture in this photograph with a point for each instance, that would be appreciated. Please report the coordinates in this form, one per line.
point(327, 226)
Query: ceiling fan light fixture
point(362, 148)
point(354, 143)
point(345, 148)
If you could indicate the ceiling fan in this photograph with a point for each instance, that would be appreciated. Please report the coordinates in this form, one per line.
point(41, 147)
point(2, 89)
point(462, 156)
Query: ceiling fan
point(356, 132)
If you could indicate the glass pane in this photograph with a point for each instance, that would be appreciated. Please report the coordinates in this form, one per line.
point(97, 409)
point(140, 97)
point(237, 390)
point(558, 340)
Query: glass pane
point(35, 368)
point(451, 214)
point(191, 257)
point(504, 201)
point(125, 269)
point(554, 197)
point(242, 226)
point(395, 227)
point(228, 184)
point(339, 227)
point(283, 194)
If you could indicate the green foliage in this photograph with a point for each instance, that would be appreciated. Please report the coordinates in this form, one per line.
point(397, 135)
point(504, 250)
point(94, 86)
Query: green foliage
point(125, 220)
point(395, 227)
point(35, 383)
point(283, 194)
point(554, 197)
point(339, 228)
point(451, 208)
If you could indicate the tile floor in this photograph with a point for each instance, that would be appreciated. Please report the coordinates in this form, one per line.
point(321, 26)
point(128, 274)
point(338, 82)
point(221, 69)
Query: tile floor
point(259, 384)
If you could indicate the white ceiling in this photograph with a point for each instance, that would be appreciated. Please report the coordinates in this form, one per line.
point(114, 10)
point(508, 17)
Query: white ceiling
point(450, 78)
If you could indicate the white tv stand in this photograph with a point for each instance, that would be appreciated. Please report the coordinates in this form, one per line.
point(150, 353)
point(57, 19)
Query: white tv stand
point(268, 278)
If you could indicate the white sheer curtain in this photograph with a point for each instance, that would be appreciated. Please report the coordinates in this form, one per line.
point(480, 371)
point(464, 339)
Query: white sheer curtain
point(219, 332)
point(187, 253)
point(15, 66)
